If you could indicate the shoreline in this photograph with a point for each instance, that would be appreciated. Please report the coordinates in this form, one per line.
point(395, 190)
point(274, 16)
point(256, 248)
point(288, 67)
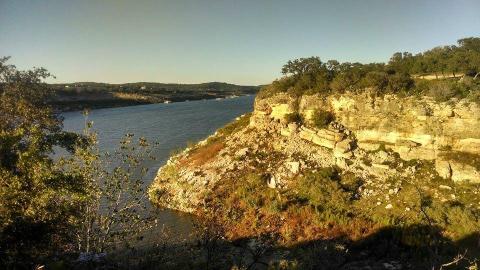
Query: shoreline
point(106, 104)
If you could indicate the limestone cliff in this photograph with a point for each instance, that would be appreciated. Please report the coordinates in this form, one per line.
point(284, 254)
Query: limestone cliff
point(416, 128)
point(375, 138)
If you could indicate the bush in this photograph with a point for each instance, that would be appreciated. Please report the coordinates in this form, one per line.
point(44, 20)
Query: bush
point(441, 90)
point(294, 118)
point(375, 79)
point(277, 86)
point(324, 191)
point(321, 118)
point(400, 82)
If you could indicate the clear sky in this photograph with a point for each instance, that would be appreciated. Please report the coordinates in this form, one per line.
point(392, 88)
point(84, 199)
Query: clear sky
point(236, 41)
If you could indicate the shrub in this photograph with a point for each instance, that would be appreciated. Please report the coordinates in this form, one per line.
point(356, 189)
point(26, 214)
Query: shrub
point(441, 90)
point(400, 82)
point(322, 118)
point(375, 79)
point(324, 191)
point(294, 118)
point(277, 86)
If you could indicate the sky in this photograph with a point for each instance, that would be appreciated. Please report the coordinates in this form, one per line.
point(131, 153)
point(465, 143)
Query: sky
point(236, 41)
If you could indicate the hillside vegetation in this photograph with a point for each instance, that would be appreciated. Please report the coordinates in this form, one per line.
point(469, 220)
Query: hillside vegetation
point(343, 166)
point(455, 69)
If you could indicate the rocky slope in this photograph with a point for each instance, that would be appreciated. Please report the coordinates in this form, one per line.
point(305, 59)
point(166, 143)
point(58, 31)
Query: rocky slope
point(375, 138)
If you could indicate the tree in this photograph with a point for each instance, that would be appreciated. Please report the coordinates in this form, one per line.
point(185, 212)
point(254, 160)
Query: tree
point(470, 48)
point(401, 62)
point(37, 201)
point(92, 199)
point(302, 66)
point(115, 209)
point(376, 79)
point(333, 65)
point(348, 76)
point(399, 82)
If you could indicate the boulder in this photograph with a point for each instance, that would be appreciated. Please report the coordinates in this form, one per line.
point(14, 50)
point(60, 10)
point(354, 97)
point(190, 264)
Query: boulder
point(443, 168)
point(381, 166)
point(326, 134)
point(294, 166)
point(456, 170)
point(343, 149)
point(293, 127)
point(285, 132)
point(344, 146)
point(279, 111)
point(341, 162)
point(464, 172)
point(323, 141)
point(306, 134)
point(272, 182)
point(369, 146)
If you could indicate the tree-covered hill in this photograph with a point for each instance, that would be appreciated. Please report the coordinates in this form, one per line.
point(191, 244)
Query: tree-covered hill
point(455, 70)
point(80, 95)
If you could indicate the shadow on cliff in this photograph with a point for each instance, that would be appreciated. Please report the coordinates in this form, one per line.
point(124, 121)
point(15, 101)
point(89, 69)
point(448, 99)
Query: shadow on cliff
point(410, 247)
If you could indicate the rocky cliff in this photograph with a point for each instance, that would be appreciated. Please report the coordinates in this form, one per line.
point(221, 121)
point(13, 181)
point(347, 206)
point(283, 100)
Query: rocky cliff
point(375, 138)
point(415, 128)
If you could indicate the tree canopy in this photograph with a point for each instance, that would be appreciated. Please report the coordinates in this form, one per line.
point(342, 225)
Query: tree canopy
point(37, 200)
point(311, 75)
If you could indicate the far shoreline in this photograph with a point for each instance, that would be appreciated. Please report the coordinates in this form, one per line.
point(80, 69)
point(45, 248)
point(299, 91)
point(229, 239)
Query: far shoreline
point(103, 104)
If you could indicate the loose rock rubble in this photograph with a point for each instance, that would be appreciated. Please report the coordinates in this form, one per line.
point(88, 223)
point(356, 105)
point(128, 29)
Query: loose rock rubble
point(281, 150)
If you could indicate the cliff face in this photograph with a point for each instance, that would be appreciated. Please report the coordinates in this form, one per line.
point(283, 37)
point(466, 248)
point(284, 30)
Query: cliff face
point(415, 128)
point(375, 138)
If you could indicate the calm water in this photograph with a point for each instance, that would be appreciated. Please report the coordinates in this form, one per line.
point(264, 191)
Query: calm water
point(171, 125)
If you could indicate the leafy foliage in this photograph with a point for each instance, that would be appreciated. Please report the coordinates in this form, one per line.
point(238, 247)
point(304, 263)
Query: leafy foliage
point(114, 211)
point(322, 118)
point(37, 200)
point(312, 76)
point(294, 117)
point(86, 202)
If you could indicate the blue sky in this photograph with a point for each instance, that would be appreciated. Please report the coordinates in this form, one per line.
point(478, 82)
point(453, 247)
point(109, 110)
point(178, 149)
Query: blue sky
point(237, 41)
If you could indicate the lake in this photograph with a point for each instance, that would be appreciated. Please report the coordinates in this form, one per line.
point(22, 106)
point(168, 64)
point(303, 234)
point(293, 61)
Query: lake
point(171, 125)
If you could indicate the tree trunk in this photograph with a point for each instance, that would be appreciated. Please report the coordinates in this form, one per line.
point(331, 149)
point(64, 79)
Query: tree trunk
point(436, 75)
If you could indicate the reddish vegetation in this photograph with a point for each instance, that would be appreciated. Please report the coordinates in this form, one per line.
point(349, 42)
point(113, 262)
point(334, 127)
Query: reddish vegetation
point(296, 226)
point(203, 154)
point(293, 225)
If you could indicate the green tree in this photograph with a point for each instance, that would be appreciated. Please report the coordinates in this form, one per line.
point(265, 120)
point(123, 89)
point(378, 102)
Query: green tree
point(37, 201)
point(302, 66)
point(402, 62)
point(471, 51)
point(376, 79)
point(348, 76)
point(87, 201)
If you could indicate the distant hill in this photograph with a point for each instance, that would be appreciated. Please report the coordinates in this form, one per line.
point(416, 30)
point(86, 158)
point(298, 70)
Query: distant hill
point(92, 95)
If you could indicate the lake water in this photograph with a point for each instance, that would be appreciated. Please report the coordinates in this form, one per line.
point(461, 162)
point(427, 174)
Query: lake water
point(171, 125)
